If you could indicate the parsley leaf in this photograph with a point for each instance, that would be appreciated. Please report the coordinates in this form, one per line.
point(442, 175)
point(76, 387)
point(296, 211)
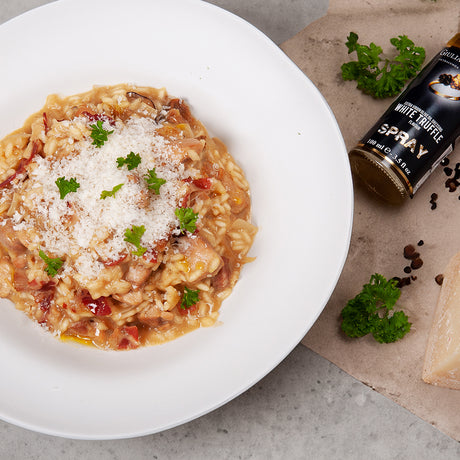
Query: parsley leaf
point(107, 193)
point(368, 312)
point(134, 237)
point(390, 329)
point(382, 77)
point(189, 298)
point(66, 186)
point(99, 134)
point(52, 265)
point(154, 182)
point(132, 160)
point(187, 219)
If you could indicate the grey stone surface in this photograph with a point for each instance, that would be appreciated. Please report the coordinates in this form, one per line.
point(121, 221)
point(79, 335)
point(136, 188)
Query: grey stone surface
point(306, 408)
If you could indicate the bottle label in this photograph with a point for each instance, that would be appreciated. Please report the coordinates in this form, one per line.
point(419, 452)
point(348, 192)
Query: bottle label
point(419, 129)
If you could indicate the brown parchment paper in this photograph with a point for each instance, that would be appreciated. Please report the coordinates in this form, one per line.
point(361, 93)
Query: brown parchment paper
point(380, 232)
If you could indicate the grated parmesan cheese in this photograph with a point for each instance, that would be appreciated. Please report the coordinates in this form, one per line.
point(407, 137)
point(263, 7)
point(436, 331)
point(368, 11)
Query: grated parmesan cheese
point(92, 229)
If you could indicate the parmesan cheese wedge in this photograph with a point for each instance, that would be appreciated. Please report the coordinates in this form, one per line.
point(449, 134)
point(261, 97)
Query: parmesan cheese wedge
point(442, 357)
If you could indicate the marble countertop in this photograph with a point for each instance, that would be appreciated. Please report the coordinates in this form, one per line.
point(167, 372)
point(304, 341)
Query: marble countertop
point(305, 408)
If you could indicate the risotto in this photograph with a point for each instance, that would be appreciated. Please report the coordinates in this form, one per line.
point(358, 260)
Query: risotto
point(122, 222)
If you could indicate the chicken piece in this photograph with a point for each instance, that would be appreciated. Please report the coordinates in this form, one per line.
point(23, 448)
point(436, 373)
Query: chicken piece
point(138, 273)
point(10, 242)
point(222, 279)
point(187, 148)
point(133, 297)
point(89, 331)
point(20, 261)
point(154, 317)
point(20, 280)
point(194, 260)
point(150, 316)
point(201, 258)
point(180, 107)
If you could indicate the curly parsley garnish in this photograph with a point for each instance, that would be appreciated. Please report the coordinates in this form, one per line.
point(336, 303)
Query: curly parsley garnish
point(154, 182)
point(99, 134)
point(368, 312)
point(187, 219)
point(66, 186)
point(189, 298)
point(132, 160)
point(134, 236)
point(107, 193)
point(382, 77)
point(52, 265)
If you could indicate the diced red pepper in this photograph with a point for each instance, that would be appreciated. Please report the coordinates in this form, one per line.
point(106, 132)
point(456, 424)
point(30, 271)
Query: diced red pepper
point(126, 342)
point(184, 202)
point(132, 331)
point(113, 262)
point(204, 183)
point(100, 306)
point(186, 311)
point(151, 256)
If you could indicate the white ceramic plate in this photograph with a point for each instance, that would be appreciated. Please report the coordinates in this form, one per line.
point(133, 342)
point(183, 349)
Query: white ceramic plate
point(277, 126)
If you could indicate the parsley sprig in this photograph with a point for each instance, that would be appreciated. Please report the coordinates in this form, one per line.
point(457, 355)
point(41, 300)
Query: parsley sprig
point(106, 193)
point(154, 182)
point(66, 186)
point(382, 77)
point(134, 236)
point(369, 312)
point(132, 160)
point(52, 265)
point(189, 298)
point(99, 134)
point(187, 219)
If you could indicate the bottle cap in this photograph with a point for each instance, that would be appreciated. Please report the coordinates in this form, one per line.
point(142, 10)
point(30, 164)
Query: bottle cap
point(381, 180)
